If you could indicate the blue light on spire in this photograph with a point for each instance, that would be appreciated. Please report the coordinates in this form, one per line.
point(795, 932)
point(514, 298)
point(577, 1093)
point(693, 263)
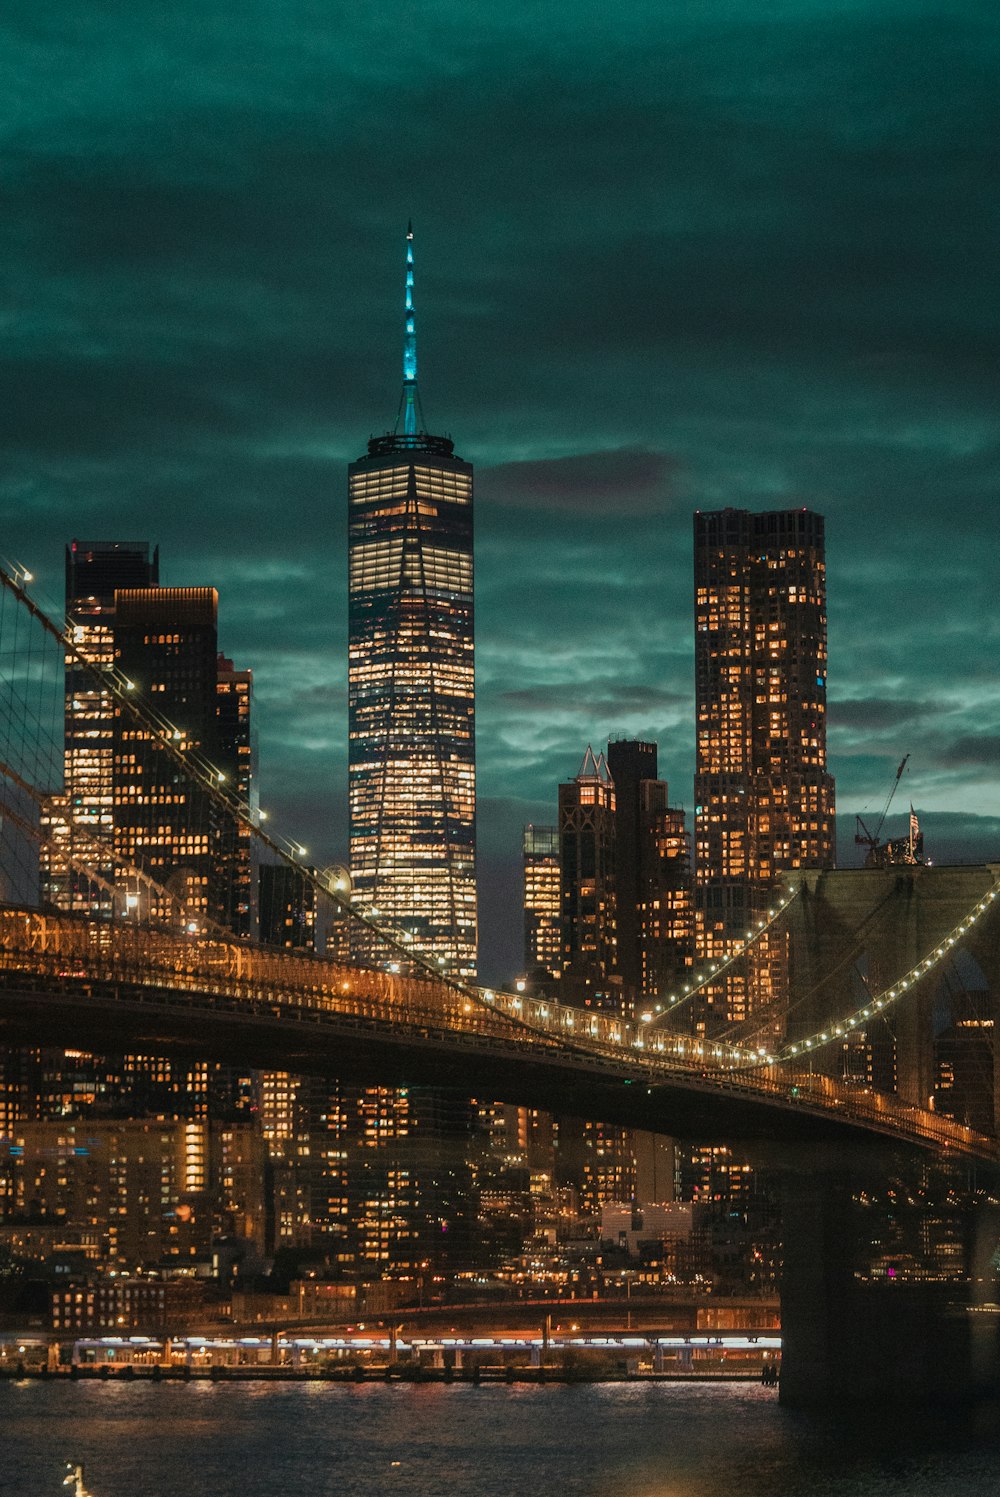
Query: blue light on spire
point(409, 347)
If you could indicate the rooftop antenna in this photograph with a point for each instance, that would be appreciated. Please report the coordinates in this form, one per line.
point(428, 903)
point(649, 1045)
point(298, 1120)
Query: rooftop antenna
point(410, 400)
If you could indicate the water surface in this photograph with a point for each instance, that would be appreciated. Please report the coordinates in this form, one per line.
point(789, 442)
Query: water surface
point(367, 1440)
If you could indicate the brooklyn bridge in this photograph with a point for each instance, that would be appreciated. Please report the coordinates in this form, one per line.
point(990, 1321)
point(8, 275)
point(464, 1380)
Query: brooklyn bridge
point(132, 958)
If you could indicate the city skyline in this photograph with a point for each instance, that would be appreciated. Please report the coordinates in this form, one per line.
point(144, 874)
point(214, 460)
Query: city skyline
point(203, 320)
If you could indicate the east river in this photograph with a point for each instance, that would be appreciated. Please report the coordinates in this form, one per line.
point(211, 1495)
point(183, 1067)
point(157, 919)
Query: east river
point(374, 1440)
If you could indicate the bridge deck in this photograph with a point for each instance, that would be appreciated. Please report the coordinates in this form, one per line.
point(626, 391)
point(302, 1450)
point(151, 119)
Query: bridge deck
point(68, 980)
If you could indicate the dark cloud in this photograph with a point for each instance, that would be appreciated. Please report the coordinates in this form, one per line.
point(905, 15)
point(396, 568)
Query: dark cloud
point(974, 751)
point(877, 715)
point(594, 482)
point(600, 696)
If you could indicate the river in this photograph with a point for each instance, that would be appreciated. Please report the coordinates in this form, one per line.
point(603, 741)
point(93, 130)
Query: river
point(376, 1440)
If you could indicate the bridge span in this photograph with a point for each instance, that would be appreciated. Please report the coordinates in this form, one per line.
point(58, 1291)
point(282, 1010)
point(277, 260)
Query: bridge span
point(89, 984)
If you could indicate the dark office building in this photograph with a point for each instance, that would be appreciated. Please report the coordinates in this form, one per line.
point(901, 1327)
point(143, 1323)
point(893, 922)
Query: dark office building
point(287, 907)
point(587, 856)
point(631, 764)
point(238, 749)
point(652, 874)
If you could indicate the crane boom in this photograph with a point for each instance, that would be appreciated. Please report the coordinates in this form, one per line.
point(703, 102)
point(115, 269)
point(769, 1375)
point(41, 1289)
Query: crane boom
point(870, 839)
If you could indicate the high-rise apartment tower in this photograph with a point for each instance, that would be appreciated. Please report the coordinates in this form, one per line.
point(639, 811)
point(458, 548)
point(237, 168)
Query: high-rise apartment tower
point(764, 802)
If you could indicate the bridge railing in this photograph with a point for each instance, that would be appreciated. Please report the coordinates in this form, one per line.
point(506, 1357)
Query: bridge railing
point(616, 1037)
point(68, 947)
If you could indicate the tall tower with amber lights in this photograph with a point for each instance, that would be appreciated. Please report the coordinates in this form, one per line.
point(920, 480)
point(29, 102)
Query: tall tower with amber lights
point(411, 680)
point(764, 802)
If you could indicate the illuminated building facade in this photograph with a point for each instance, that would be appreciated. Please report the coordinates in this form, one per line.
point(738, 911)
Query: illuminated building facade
point(141, 1192)
point(411, 682)
point(84, 809)
point(764, 802)
point(166, 642)
point(542, 927)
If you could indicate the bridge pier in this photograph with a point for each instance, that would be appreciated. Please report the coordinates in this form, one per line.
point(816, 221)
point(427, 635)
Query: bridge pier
point(858, 1328)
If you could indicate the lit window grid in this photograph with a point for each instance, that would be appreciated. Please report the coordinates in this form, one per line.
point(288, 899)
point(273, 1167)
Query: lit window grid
point(411, 704)
point(764, 803)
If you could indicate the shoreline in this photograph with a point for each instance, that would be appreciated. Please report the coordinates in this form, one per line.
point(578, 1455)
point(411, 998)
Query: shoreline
point(357, 1375)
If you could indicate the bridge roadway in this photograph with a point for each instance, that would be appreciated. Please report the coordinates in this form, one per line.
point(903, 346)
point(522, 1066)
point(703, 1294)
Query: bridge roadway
point(68, 981)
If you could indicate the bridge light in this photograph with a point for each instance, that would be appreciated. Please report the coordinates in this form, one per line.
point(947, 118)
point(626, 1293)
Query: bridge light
point(222, 778)
point(27, 577)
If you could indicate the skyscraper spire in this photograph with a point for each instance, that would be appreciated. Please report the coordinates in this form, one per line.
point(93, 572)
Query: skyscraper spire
point(409, 346)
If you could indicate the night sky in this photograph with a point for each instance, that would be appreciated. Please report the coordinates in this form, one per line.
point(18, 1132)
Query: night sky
point(669, 256)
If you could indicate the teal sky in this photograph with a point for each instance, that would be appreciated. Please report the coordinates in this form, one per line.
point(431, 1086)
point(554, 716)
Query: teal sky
point(668, 257)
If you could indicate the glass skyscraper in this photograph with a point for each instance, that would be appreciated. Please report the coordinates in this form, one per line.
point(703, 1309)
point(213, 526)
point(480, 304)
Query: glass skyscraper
point(411, 682)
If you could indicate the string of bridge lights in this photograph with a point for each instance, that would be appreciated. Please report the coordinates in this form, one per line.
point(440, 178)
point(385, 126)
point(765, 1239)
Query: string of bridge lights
point(889, 996)
point(714, 971)
point(695, 1050)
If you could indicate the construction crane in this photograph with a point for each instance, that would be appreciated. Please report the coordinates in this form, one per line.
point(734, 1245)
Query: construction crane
point(866, 838)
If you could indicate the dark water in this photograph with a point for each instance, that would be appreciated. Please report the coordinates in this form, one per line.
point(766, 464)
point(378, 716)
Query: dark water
point(331, 1440)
